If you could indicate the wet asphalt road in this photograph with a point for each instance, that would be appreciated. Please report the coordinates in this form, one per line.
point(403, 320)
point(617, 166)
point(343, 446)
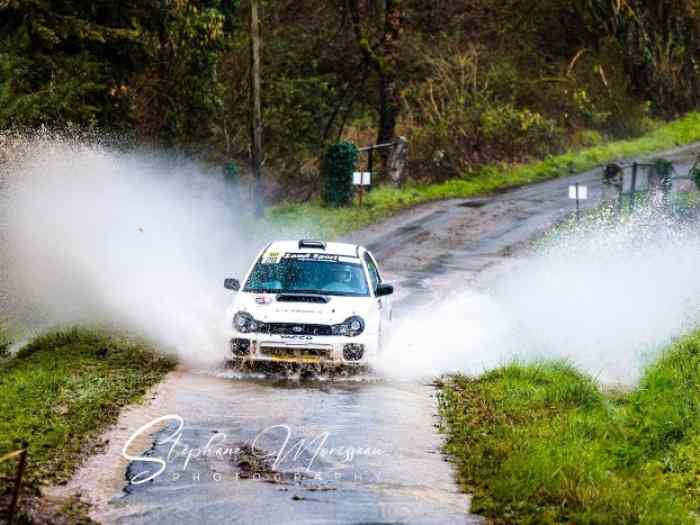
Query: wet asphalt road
point(368, 448)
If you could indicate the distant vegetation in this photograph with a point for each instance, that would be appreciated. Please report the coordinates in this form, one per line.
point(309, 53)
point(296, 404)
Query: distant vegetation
point(382, 202)
point(469, 82)
point(540, 443)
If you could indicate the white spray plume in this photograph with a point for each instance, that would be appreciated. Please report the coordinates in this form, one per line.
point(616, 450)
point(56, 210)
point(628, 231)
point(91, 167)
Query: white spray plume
point(142, 241)
point(606, 296)
point(135, 240)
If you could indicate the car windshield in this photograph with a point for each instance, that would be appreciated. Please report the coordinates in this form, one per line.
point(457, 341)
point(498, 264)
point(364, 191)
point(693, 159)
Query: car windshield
point(308, 273)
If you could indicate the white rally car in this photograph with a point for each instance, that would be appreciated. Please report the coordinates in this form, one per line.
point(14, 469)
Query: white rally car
point(308, 302)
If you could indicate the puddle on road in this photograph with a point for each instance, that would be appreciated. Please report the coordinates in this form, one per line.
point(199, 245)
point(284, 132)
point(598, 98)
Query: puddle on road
point(473, 204)
point(358, 449)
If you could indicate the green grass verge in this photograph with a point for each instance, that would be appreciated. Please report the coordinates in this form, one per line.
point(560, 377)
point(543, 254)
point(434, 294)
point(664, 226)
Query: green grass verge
point(540, 443)
point(61, 390)
point(383, 201)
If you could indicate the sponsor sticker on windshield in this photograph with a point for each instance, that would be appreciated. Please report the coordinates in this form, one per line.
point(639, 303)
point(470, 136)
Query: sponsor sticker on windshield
point(320, 257)
point(323, 257)
point(271, 257)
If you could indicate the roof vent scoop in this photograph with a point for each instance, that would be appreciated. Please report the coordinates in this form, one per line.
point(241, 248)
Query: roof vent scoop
point(319, 245)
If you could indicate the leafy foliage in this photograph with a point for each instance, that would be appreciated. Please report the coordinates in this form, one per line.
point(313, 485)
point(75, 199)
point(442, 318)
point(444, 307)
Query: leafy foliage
point(179, 98)
point(59, 65)
point(148, 65)
point(338, 166)
point(469, 82)
point(659, 44)
point(463, 116)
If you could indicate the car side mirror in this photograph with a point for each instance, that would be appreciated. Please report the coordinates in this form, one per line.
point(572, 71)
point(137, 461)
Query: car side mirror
point(383, 289)
point(232, 284)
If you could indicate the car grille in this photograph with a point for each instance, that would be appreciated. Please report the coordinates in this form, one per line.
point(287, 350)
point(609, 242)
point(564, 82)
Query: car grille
point(295, 329)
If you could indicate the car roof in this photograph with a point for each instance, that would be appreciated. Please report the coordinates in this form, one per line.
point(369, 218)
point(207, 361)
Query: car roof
point(332, 248)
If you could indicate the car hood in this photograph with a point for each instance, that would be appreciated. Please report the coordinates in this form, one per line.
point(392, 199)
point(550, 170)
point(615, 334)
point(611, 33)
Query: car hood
point(266, 308)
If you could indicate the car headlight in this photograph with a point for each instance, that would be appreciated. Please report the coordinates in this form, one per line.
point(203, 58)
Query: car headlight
point(244, 322)
point(351, 327)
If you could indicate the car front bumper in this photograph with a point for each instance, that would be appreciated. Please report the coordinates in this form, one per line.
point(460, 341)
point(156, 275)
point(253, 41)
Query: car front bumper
point(304, 350)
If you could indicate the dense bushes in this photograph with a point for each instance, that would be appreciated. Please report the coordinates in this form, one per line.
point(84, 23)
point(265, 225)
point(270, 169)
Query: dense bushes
point(338, 166)
point(479, 81)
point(659, 46)
point(460, 118)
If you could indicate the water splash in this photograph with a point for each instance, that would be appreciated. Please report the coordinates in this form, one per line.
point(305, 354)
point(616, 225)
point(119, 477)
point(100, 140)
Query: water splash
point(139, 240)
point(606, 295)
point(136, 240)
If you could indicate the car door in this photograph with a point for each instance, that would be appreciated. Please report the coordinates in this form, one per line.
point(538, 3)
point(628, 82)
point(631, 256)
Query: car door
point(383, 303)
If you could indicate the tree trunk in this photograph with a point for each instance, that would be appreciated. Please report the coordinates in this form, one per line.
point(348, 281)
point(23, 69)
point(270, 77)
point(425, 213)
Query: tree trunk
point(390, 50)
point(255, 110)
point(384, 59)
point(388, 109)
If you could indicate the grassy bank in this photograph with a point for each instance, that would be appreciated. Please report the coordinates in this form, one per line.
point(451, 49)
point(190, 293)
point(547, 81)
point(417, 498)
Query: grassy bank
point(540, 443)
point(383, 202)
point(60, 391)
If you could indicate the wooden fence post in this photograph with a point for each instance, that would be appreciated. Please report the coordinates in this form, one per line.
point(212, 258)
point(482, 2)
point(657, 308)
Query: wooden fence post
point(18, 481)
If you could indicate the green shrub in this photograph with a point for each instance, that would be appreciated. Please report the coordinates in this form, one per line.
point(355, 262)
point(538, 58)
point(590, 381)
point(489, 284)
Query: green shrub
point(516, 133)
point(338, 166)
point(587, 138)
point(464, 116)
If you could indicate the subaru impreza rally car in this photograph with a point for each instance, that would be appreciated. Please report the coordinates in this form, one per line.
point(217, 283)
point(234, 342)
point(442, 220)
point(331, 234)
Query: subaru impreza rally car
point(310, 302)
